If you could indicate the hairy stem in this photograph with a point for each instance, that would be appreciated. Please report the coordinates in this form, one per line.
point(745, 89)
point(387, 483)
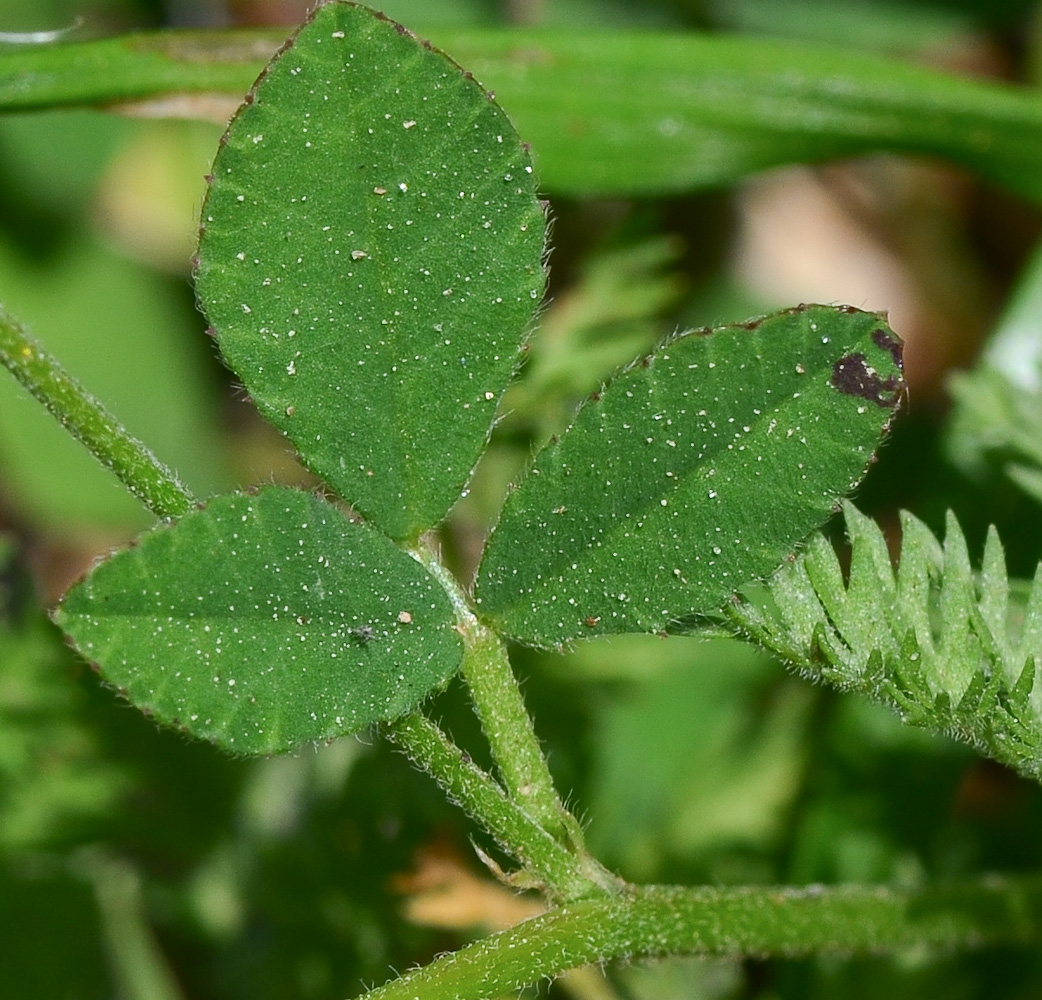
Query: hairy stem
point(90, 422)
point(666, 920)
point(504, 720)
point(549, 865)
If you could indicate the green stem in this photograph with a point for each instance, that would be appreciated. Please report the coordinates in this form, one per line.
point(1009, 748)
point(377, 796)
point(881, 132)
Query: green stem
point(87, 420)
point(549, 865)
point(508, 728)
point(138, 963)
point(740, 104)
point(135, 67)
point(668, 920)
point(504, 720)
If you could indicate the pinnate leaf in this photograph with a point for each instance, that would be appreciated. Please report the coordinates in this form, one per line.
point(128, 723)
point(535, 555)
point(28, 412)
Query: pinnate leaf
point(264, 621)
point(692, 473)
point(370, 258)
point(950, 648)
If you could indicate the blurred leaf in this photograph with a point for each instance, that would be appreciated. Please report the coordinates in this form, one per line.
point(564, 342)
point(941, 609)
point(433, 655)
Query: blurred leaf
point(997, 422)
point(692, 473)
point(148, 198)
point(371, 258)
point(50, 937)
point(46, 190)
point(644, 112)
point(610, 315)
point(430, 13)
point(703, 753)
point(997, 417)
point(878, 25)
point(263, 622)
point(614, 113)
point(53, 777)
point(682, 978)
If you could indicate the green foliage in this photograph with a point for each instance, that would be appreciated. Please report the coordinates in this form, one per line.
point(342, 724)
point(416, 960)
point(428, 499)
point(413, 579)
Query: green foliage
point(998, 423)
point(609, 316)
point(950, 649)
point(614, 113)
point(701, 760)
point(717, 420)
point(714, 108)
point(265, 621)
point(647, 509)
point(54, 781)
point(370, 257)
point(372, 254)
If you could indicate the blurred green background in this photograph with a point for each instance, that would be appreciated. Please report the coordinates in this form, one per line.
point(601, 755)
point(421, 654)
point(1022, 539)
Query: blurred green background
point(136, 864)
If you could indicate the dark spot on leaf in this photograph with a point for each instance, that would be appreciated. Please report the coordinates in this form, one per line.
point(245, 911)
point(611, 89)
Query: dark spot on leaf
point(853, 376)
point(887, 341)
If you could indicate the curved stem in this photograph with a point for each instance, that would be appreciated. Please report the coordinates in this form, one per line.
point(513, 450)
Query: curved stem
point(661, 920)
point(90, 422)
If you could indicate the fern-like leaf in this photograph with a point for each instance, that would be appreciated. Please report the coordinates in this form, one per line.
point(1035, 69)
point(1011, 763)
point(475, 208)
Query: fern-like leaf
point(949, 648)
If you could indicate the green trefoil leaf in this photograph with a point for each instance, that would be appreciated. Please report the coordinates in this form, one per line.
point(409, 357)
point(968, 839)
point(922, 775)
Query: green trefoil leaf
point(263, 621)
point(692, 473)
point(370, 258)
